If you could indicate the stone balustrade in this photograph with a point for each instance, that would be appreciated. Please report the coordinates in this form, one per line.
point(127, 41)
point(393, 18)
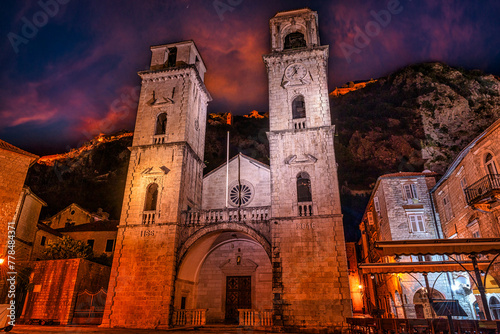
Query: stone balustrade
point(305, 209)
point(148, 217)
point(255, 318)
point(253, 214)
point(190, 317)
point(299, 123)
point(160, 139)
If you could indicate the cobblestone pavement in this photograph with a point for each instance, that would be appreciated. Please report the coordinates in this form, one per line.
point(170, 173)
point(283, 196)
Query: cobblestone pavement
point(94, 329)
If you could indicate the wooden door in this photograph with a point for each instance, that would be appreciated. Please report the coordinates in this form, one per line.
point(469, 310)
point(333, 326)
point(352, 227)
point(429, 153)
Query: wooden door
point(238, 296)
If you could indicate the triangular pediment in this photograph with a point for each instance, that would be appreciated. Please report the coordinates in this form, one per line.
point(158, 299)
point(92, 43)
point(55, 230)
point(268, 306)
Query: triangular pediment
point(155, 171)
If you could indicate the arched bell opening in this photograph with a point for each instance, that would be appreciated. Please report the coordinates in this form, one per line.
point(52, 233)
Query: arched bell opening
point(223, 272)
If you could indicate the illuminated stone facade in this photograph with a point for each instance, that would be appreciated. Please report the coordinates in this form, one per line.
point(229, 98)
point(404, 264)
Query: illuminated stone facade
point(276, 250)
point(467, 202)
point(14, 164)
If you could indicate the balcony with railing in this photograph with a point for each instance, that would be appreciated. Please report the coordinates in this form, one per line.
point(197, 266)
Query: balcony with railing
point(148, 217)
point(160, 139)
point(252, 214)
point(299, 123)
point(483, 192)
point(305, 209)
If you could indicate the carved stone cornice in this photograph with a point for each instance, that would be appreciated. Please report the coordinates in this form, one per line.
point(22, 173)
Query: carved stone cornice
point(179, 72)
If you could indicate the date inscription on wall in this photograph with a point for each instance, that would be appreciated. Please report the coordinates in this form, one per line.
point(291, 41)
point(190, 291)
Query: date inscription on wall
point(148, 233)
point(306, 226)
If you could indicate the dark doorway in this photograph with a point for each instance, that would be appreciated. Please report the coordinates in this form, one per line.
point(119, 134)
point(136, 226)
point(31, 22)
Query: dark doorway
point(238, 296)
point(419, 310)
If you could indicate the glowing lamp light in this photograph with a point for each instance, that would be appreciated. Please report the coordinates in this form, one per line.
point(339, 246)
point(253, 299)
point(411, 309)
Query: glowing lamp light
point(360, 287)
point(2, 261)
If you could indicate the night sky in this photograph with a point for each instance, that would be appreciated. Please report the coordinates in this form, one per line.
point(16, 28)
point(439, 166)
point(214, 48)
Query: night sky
point(75, 75)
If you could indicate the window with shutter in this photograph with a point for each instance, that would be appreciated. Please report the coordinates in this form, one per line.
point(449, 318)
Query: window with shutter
point(376, 204)
point(416, 223)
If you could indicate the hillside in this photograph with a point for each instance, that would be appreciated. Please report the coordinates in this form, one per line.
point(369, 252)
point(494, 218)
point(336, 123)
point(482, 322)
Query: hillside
point(418, 117)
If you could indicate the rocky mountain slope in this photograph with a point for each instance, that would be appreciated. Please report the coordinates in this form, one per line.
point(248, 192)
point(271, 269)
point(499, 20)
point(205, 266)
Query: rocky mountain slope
point(418, 117)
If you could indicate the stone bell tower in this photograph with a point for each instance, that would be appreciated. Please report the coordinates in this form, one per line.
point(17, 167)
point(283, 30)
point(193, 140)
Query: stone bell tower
point(164, 178)
point(310, 278)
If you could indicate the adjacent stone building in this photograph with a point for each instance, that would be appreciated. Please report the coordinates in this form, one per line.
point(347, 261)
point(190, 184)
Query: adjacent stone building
point(467, 199)
point(401, 208)
point(14, 164)
point(252, 244)
point(26, 221)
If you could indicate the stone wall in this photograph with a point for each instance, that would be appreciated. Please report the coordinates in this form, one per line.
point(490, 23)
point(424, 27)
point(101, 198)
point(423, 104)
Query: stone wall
point(56, 284)
point(250, 171)
point(13, 169)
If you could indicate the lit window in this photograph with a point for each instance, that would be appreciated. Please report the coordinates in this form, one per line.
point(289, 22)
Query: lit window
point(416, 223)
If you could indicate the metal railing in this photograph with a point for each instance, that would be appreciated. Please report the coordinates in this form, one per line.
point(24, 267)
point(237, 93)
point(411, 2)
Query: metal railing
point(253, 214)
point(482, 188)
point(372, 325)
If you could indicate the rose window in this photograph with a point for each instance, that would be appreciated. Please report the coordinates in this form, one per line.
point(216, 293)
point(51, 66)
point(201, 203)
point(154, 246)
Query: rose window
point(240, 194)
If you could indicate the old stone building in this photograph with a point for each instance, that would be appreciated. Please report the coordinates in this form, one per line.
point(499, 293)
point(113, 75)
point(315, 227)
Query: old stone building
point(249, 243)
point(401, 208)
point(14, 164)
point(467, 200)
point(26, 220)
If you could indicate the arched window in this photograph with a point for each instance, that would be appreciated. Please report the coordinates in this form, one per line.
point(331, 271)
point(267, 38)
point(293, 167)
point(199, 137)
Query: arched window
point(303, 187)
point(491, 167)
point(298, 107)
point(295, 40)
point(151, 197)
point(495, 308)
point(161, 124)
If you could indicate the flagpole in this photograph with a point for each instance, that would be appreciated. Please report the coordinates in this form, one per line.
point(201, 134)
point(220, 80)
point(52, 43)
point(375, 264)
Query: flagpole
point(227, 168)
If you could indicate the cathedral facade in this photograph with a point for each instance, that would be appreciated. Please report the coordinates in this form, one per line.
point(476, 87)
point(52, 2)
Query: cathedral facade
point(247, 241)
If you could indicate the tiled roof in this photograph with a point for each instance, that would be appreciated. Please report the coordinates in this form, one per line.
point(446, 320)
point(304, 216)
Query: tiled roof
point(408, 174)
point(46, 228)
point(102, 225)
point(9, 147)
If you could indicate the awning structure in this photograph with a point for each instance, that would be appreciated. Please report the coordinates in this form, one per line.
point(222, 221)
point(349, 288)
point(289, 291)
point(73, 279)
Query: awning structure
point(438, 246)
point(445, 307)
point(419, 267)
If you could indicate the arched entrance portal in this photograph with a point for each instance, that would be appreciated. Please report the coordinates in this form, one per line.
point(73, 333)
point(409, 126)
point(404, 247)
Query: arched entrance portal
point(222, 272)
point(423, 309)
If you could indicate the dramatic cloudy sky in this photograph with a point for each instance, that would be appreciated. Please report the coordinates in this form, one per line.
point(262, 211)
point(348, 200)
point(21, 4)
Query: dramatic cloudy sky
point(75, 75)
